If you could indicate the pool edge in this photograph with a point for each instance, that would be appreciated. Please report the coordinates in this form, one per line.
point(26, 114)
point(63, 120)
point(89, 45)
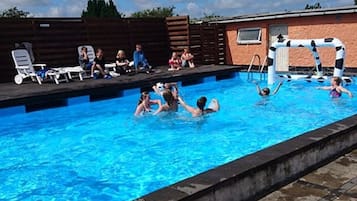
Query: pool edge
point(258, 174)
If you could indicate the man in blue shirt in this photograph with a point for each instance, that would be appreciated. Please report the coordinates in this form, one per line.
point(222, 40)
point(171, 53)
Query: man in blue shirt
point(140, 61)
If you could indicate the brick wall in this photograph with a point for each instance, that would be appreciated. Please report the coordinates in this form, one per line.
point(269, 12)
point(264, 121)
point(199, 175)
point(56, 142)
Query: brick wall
point(341, 26)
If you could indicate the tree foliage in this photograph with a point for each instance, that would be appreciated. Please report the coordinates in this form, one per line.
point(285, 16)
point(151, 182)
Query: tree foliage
point(206, 18)
point(355, 2)
point(315, 6)
point(159, 12)
point(100, 8)
point(14, 13)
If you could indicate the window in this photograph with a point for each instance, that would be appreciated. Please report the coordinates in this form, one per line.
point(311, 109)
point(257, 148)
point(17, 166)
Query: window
point(249, 35)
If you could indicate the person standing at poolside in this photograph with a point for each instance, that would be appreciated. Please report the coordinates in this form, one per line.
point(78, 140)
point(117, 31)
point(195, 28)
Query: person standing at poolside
point(201, 104)
point(336, 89)
point(140, 61)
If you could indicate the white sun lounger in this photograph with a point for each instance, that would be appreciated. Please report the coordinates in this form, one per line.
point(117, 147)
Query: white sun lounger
point(25, 69)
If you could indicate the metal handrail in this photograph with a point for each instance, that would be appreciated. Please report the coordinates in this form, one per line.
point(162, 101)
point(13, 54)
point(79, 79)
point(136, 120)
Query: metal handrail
point(260, 66)
point(252, 61)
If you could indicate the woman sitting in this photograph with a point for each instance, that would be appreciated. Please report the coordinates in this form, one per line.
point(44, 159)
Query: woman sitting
point(174, 62)
point(187, 59)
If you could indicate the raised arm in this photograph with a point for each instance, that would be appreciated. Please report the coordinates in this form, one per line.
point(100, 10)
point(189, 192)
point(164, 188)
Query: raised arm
point(187, 107)
point(278, 87)
point(258, 88)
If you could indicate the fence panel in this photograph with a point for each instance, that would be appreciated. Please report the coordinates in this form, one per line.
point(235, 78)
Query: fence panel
point(207, 43)
point(55, 40)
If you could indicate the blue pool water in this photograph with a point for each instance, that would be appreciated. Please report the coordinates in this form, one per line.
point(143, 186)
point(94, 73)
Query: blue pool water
point(100, 151)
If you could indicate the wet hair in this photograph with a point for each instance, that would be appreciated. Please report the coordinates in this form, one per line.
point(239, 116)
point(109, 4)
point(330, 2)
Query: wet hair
point(201, 102)
point(337, 79)
point(266, 90)
point(143, 96)
point(168, 97)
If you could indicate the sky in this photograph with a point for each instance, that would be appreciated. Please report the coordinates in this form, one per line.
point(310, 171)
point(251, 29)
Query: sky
point(193, 8)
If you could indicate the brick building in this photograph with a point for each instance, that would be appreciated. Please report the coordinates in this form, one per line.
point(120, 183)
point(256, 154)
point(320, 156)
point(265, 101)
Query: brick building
point(253, 34)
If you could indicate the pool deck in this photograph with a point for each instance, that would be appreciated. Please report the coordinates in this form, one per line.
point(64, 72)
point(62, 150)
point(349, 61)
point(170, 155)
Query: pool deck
point(336, 180)
point(12, 94)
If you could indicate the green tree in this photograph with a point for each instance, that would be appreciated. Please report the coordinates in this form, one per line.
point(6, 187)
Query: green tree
point(14, 13)
point(206, 18)
point(355, 2)
point(100, 8)
point(160, 12)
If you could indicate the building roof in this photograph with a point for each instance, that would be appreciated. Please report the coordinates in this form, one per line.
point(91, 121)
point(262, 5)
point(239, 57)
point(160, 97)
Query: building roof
point(288, 14)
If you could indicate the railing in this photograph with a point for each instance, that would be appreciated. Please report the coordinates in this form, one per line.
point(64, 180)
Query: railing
point(260, 70)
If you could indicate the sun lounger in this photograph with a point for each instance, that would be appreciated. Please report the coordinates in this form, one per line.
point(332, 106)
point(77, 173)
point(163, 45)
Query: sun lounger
point(26, 69)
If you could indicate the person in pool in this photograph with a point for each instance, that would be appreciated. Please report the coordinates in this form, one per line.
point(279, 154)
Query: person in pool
point(144, 104)
point(335, 88)
point(160, 87)
point(171, 104)
point(201, 104)
point(266, 91)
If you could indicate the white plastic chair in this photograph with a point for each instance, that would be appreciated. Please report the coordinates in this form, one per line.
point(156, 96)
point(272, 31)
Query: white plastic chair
point(25, 68)
point(110, 67)
point(90, 51)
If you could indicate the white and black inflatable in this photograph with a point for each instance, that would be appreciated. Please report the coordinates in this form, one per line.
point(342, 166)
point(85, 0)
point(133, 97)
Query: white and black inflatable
point(311, 44)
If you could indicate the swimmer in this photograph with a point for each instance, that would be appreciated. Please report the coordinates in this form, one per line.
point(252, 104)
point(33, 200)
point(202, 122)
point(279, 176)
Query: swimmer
point(336, 89)
point(171, 104)
point(144, 104)
point(266, 91)
point(201, 103)
point(160, 87)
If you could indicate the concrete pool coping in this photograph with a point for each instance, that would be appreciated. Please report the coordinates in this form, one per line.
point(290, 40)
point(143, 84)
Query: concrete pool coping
point(258, 174)
point(248, 178)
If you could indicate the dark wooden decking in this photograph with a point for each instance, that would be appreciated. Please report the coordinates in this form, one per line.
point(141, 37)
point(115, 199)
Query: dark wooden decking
point(30, 92)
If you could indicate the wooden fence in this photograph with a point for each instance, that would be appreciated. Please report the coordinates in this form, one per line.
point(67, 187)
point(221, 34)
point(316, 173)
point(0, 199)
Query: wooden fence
point(55, 40)
point(207, 43)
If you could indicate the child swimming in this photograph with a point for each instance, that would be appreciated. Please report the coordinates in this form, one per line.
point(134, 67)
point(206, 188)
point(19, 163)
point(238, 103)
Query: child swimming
point(336, 89)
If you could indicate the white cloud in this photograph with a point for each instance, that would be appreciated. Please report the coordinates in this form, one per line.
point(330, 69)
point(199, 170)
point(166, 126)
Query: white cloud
point(230, 4)
point(23, 3)
point(146, 4)
point(193, 9)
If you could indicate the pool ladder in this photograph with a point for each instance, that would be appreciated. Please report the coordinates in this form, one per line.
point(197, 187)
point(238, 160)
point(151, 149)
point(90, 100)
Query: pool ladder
point(260, 68)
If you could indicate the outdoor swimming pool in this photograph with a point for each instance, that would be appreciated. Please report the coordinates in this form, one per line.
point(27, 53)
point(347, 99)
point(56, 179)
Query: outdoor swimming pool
point(100, 151)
